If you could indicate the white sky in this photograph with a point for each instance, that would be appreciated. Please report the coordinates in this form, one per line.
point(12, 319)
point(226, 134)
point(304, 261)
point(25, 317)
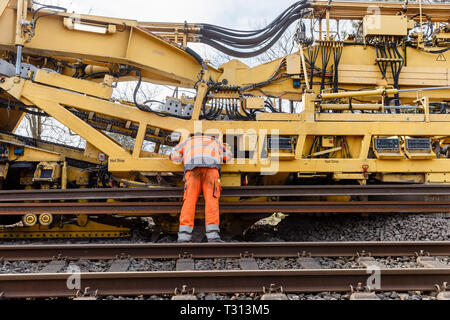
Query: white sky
point(228, 13)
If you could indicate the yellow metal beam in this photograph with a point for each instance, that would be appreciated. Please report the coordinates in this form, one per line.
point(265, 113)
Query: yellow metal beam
point(3, 5)
point(77, 85)
point(304, 165)
point(79, 126)
point(133, 46)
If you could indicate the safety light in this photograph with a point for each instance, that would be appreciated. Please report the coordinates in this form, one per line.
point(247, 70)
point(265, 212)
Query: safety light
point(101, 157)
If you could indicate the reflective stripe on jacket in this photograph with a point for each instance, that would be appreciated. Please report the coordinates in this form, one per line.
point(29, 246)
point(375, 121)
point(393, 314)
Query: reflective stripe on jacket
point(200, 152)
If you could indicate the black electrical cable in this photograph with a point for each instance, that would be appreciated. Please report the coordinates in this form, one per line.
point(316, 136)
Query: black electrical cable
point(326, 55)
point(241, 54)
point(430, 51)
point(147, 108)
point(250, 41)
point(197, 57)
point(313, 54)
point(18, 106)
point(337, 54)
point(36, 18)
point(234, 42)
point(397, 68)
point(238, 33)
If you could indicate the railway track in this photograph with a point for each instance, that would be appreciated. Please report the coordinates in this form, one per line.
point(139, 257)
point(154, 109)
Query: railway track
point(154, 201)
point(166, 283)
point(155, 208)
point(308, 277)
point(221, 250)
point(249, 191)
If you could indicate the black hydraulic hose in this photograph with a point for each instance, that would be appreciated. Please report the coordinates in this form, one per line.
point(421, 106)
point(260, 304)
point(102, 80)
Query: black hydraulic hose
point(251, 42)
point(396, 71)
point(337, 53)
point(239, 33)
point(233, 42)
point(36, 18)
point(241, 54)
point(326, 55)
point(313, 54)
point(433, 51)
point(197, 57)
point(147, 108)
point(254, 39)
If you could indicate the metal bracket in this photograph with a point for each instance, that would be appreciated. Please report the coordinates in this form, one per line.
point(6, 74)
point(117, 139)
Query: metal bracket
point(273, 289)
point(274, 293)
point(247, 255)
point(184, 291)
point(186, 255)
point(304, 254)
point(87, 294)
point(122, 256)
point(363, 254)
point(362, 293)
point(60, 257)
point(360, 288)
point(2, 295)
point(442, 288)
point(442, 291)
point(422, 253)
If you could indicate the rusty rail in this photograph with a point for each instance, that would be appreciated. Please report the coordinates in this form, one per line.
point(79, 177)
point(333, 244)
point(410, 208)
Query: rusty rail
point(155, 208)
point(250, 191)
point(150, 283)
point(221, 250)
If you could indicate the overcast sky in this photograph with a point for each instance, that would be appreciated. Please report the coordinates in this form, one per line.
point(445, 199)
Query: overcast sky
point(229, 13)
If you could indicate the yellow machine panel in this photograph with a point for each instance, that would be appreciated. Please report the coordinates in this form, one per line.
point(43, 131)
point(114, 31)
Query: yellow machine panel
point(378, 25)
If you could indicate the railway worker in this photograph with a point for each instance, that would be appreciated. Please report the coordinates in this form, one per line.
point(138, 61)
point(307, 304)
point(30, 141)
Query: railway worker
point(202, 156)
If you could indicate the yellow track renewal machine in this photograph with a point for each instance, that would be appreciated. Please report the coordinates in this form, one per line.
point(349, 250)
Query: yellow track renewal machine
point(366, 104)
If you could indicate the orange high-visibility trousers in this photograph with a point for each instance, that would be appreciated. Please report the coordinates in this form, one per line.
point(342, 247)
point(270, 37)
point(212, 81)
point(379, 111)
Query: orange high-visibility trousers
point(208, 180)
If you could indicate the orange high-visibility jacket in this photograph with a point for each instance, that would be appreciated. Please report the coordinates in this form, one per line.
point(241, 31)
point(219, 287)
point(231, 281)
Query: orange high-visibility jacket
point(200, 152)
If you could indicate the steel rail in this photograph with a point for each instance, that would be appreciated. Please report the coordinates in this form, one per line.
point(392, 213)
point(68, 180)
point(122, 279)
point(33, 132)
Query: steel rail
point(250, 191)
point(220, 250)
point(155, 208)
point(150, 283)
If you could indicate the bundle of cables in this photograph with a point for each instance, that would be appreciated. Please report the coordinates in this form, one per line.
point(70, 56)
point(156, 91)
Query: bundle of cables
point(248, 44)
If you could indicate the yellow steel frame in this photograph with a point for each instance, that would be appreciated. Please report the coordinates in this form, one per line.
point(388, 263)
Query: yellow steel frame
point(161, 61)
point(310, 123)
